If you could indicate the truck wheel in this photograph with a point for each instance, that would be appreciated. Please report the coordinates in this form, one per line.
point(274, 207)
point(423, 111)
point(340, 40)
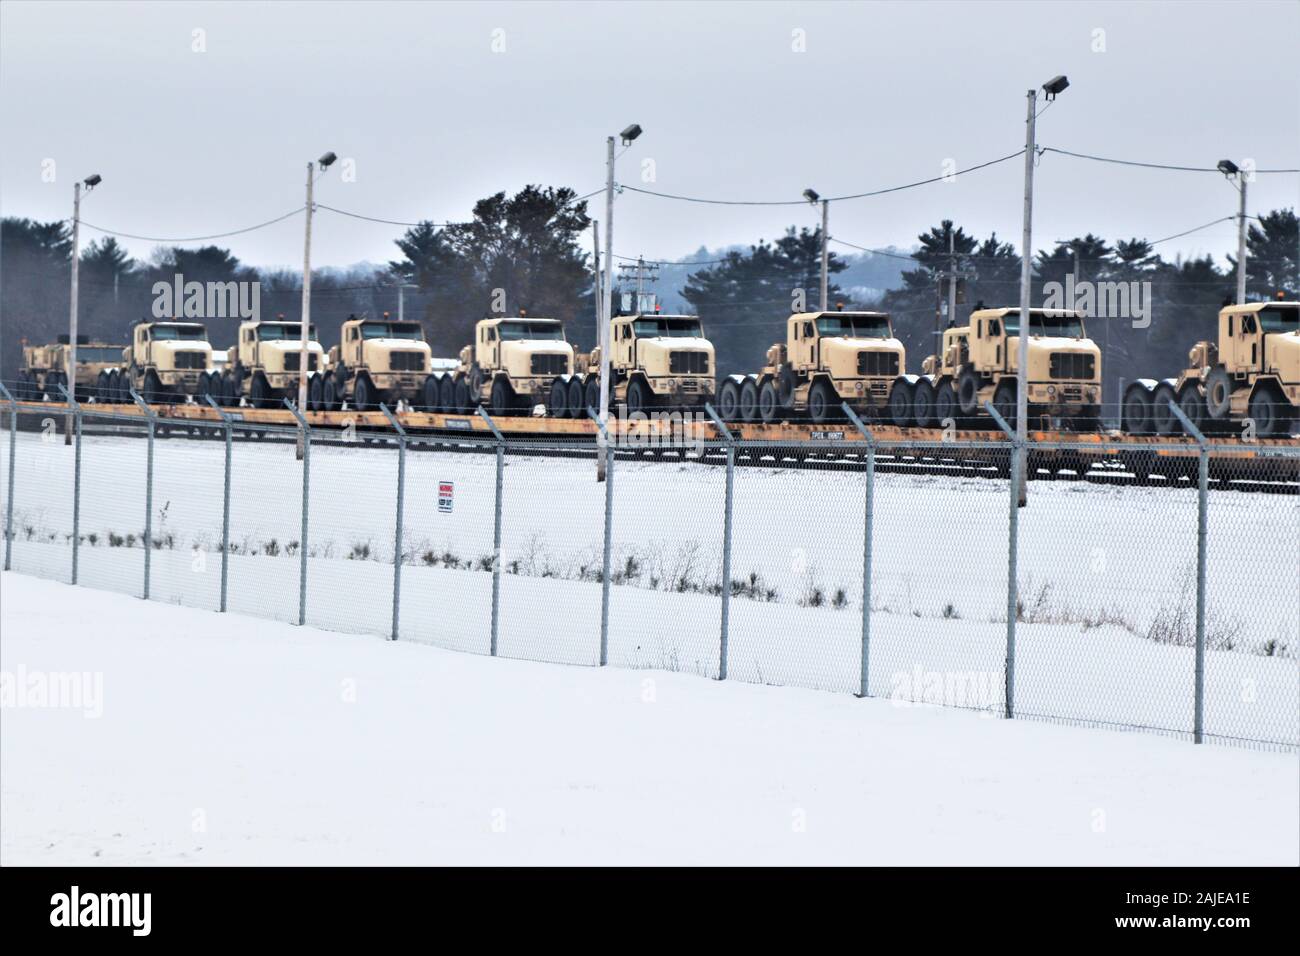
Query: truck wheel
point(1193, 406)
point(1137, 410)
point(923, 404)
point(788, 384)
point(362, 396)
point(316, 393)
point(503, 397)
point(446, 393)
point(769, 402)
point(591, 392)
point(1162, 416)
point(749, 400)
point(968, 391)
point(429, 394)
point(822, 401)
point(101, 388)
point(462, 394)
point(1267, 411)
point(638, 396)
point(257, 391)
point(329, 395)
point(203, 388)
point(152, 390)
point(1004, 400)
point(1218, 392)
point(900, 404)
point(557, 403)
point(577, 398)
point(729, 400)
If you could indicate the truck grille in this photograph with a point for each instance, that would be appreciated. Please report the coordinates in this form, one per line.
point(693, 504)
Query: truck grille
point(406, 362)
point(688, 363)
point(550, 364)
point(191, 360)
point(877, 363)
point(1071, 365)
point(691, 385)
point(291, 361)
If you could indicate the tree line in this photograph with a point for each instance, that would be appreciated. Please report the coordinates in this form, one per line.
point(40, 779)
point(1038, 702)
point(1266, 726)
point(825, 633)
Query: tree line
point(526, 252)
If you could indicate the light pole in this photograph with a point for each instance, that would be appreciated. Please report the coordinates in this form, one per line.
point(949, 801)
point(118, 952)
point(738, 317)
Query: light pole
point(90, 183)
point(401, 298)
point(1052, 88)
point(1231, 170)
point(605, 312)
point(813, 199)
point(325, 162)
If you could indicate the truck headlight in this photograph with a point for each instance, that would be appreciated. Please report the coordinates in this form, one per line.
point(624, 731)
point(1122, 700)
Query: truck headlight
point(1051, 391)
point(1092, 394)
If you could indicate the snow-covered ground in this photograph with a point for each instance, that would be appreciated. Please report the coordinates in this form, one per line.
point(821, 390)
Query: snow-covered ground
point(202, 738)
point(1107, 573)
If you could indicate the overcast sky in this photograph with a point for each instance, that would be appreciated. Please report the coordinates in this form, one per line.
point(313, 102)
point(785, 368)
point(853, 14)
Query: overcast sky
point(193, 143)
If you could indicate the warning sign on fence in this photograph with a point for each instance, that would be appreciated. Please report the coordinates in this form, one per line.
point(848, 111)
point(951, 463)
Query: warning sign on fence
point(446, 493)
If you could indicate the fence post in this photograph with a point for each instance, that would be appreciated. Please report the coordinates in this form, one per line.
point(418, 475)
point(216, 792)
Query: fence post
point(9, 498)
point(606, 448)
point(1013, 547)
point(1202, 522)
point(76, 481)
point(225, 501)
point(401, 497)
point(869, 511)
point(725, 432)
point(306, 477)
point(496, 529)
point(148, 488)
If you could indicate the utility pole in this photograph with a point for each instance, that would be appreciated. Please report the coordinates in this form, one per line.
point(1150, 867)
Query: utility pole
point(90, 182)
point(826, 207)
point(1026, 273)
point(1241, 241)
point(952, 277)
point(600, 321)
point(606, 311)
point(325, 162)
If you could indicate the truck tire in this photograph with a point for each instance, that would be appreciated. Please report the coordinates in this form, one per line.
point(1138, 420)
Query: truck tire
point(1192, 404)
point(968, 391)
point(591, 393)
point(316, 393)
point(1004, 400)
point(1162, 416)
point(729, 400)
point(823, 403)
point(429, 394)
point(946, 407)
point(788, 382)
point(749, 400)
point(462, 395)
point(329, 395)
point(1218, 392)
point(1137, 410)
point(923, 404)
point(446, 393)
point(900, 404)
point(362, 393)
point(152, 388)
point(503, 397)
point(557, 402)
point(1268, 411)
point(639, 398)
point(234, 387)
point(259, 392)
point(769, 402)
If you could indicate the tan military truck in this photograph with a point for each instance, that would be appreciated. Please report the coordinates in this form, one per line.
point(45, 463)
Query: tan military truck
point(655, 361)
point(377, 360)
point(510, 367)
point(166, 362)
point(828, 358)
point(980, 363)
point(263, 365)
point(45, 368)
point(1251, 373)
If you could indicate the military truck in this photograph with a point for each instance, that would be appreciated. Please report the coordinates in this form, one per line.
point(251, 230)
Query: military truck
point(655, 361)
point(1251, 372)
point(828, 358)
point(263, 365)
point(980, 363)
point(377, 360)
point(45, 368)
point(510, 367)
point(166, 362)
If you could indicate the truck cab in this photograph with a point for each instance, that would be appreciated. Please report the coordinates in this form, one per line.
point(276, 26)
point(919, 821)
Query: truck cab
point(264, 362)
point(511, 365)
point(376, 360)
point(169, 359)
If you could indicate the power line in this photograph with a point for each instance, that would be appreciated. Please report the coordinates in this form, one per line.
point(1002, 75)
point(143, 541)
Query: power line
point(804, 202)
point(1130, 162)
point(220, 235)
point(1179, 235)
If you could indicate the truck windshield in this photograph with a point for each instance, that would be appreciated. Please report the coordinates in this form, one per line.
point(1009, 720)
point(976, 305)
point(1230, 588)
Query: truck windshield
point(1278, 319)
point(90, 353)
point(1055, 326)
point(854, 326)
point(392, 330)
point(515, 331)
point(195, 333)
point(667, 328)
point(277, 332)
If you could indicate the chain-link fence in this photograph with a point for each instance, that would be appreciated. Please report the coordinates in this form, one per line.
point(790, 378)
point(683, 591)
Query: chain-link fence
point(1157, 589)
